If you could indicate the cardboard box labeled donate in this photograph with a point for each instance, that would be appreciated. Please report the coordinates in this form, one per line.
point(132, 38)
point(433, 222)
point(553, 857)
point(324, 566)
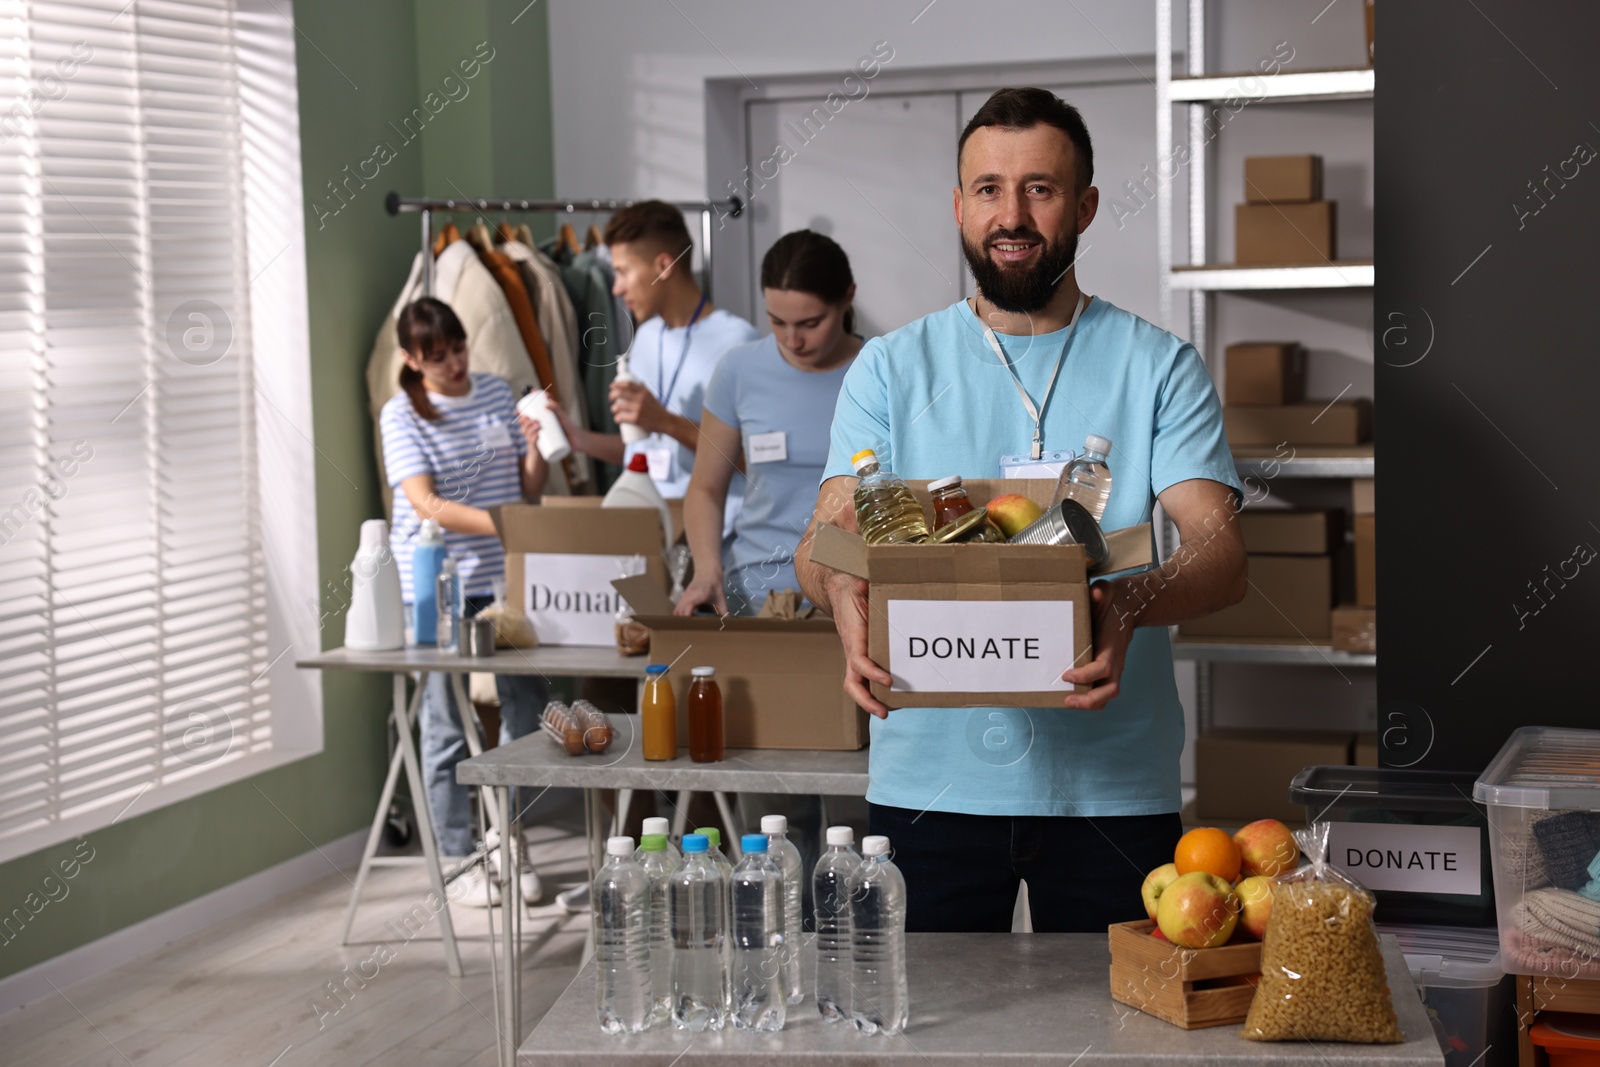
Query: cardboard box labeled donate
point(782, 680)
point(561, 558)
point(978, 624)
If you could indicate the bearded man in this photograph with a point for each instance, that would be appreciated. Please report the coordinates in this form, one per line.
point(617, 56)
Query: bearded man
point(1081, 801)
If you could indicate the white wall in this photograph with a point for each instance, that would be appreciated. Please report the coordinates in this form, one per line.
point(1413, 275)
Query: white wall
point(628, 77)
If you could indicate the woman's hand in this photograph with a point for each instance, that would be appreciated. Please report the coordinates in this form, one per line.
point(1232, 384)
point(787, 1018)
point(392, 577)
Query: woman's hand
point(705, 589)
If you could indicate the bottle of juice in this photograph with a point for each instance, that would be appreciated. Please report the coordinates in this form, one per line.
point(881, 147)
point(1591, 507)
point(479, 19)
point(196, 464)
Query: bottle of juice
point(886, 511)
point(705, 716)
point(658, 715)
point(950, 500)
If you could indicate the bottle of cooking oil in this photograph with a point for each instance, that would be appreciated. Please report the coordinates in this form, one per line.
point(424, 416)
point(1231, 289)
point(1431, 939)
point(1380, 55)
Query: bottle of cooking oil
point(886, 511)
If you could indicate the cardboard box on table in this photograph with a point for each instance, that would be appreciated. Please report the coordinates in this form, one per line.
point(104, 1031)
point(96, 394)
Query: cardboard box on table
point(782, 680)
point(1244, 775)
point(974, 625)
point(561, 557)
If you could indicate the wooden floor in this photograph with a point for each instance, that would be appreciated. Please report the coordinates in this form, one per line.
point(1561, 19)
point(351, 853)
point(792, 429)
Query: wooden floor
point(246, 993)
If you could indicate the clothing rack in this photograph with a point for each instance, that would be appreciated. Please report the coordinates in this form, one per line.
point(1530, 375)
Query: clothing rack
point(426, 206)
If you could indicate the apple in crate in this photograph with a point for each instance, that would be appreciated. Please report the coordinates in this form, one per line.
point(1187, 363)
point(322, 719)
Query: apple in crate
point(1013, 513)
point(1255, 904)
point(1155, 883)
point(1266, 847)
point(1198, 910)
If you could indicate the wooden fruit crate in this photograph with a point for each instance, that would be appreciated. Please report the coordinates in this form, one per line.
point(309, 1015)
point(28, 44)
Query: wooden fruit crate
point(1187, 987)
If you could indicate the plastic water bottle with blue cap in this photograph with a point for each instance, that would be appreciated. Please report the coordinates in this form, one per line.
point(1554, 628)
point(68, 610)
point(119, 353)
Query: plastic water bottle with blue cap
point(755, 963)
point(697, 898)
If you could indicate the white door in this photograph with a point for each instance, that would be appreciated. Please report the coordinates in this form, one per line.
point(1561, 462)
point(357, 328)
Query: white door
point(876, 177)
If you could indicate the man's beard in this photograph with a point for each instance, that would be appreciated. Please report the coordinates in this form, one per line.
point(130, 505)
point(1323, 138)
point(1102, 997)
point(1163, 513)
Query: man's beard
point(1019, 288)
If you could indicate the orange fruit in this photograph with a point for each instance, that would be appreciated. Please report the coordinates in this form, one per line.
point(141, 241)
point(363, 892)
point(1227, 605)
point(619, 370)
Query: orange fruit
point(1208, 849)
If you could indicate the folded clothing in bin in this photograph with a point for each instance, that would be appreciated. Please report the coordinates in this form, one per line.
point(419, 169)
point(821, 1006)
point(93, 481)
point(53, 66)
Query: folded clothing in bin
point(1568, 843)
point(1552, 926)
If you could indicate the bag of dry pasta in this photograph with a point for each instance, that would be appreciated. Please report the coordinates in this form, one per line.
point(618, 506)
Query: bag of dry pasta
point(1322, 976)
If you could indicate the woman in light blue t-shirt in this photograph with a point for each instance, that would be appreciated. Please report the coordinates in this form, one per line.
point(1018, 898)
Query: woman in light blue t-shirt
point(771, 400)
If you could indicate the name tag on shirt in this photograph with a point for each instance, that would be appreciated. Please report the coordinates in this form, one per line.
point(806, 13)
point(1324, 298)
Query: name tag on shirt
point(661, 461)
point(495, 437)
point(768, 447)
point(1048, 465)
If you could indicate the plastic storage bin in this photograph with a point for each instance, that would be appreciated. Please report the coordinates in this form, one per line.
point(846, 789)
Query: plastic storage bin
point(1414, 838)
point(1543, 796)
point(1470, 1000)
point(1568, 1040)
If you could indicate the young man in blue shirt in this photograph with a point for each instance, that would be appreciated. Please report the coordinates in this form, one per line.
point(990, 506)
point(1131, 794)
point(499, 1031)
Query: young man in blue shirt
point(1083, 800)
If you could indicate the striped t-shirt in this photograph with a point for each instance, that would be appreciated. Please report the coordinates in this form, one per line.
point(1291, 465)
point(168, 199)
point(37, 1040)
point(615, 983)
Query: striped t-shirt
point(473, 453)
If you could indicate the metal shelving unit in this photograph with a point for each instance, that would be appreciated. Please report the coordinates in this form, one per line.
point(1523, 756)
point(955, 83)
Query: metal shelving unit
point(1194, 90)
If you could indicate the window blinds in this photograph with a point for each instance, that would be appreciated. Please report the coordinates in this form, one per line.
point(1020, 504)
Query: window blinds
point(134, 647)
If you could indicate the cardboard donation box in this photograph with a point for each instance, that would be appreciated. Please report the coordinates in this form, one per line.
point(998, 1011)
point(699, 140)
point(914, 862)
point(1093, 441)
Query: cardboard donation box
point(782, 680)
point(561, 558)
point(972, 625)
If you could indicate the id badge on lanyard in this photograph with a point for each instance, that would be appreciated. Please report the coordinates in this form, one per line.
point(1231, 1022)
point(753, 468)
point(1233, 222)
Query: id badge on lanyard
point(1048, 465)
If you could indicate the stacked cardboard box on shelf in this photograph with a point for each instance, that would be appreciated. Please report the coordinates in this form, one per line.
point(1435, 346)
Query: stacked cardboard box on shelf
point(1284, 220)
point(1355, 626)
point(1264, 400)
point(1244, 775)
point(1291, 578)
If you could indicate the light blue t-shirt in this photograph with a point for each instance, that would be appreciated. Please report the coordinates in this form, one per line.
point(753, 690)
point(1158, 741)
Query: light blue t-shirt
point(933, 399)
point(757, 392)
point(677, 374)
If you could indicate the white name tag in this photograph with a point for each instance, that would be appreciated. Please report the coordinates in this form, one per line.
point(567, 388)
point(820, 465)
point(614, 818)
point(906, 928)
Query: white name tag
point(1048, 465)
point(980, 646)
point(569, 597)
point(768, 447)
point(661, 463)
point(495, 437)
point(1409, 859)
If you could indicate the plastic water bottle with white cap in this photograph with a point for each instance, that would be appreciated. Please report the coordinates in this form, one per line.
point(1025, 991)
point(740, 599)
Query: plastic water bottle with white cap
point(1087, 479)
point(880, 1000)
point(658, 825)
point(756, 984)
point(831, 902)
point(658, 865)
point(621, 899)
point(787, 858)
point(697, 900)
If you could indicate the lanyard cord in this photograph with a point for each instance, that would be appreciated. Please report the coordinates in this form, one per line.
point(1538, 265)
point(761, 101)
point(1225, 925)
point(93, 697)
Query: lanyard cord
point(1036, 412)
point(683, 357)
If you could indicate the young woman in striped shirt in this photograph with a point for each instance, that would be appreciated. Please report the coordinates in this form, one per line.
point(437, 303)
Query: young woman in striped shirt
point(454, 446)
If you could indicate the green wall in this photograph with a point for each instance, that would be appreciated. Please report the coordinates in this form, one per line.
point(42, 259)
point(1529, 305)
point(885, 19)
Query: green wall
point(363, 66)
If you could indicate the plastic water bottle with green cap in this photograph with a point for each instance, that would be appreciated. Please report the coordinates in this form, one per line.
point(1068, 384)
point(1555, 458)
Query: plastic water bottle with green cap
point(658, 865)
point(714, 836)
point(887, 513)
point(658, 825)
point(755, 982)
point(697, 900)
point(622, 941)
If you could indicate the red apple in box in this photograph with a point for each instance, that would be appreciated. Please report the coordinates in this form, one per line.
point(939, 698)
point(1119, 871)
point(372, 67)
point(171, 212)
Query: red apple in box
point(1155, 883)
point(1266, 847)
point(1013, 513)
point(1255, 905)
point(1198, 910)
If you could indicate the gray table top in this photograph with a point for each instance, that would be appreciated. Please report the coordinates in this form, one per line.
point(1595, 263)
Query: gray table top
point(1024, 1000)
point(561, 661)
point(538, 761)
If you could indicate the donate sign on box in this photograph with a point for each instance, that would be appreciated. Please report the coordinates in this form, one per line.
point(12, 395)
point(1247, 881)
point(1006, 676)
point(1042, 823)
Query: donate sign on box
point(980, 646)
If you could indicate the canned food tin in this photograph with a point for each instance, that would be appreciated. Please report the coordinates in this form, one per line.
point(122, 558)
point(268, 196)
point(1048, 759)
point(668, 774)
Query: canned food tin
point(477, 638)
point(972, 528)
point(1068, 523)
